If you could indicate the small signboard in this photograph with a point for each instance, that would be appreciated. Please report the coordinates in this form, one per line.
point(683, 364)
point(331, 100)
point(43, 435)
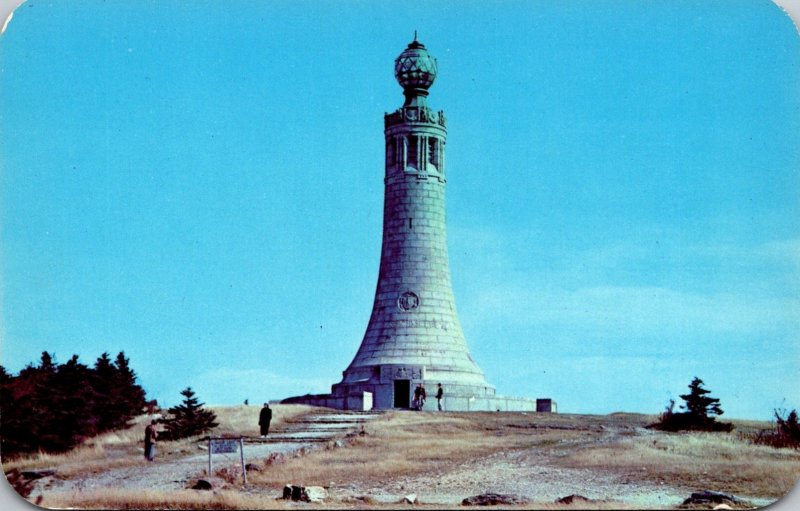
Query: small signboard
point(224, 445)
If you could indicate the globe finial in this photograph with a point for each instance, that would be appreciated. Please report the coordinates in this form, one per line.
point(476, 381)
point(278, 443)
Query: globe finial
point(415, 69)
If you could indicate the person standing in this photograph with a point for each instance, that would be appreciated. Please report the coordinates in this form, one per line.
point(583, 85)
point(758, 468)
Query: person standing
point(439, 396)
point(422, 396)
point(150, 436)
point(264, 418)
point(416, 404)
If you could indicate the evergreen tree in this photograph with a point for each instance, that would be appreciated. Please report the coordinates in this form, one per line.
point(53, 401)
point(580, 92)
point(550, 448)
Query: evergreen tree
point(700, 407)
point(36, 404)
point(104, 379)
point(104, 369)
point(12, 431)
point(188, 418)
point(73, 402)
point(700, 411)
point(47, 363)
point(132, 399)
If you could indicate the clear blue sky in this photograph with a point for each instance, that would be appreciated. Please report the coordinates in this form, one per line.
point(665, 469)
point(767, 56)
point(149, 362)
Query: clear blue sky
point(200, 185)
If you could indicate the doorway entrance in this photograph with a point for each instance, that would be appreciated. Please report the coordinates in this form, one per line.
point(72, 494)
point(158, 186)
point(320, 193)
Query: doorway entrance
point(402, 393)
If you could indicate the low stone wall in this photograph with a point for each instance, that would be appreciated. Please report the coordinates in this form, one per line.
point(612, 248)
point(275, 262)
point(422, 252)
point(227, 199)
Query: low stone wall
point(362, 402)
point(358, 402)
point(487, 404)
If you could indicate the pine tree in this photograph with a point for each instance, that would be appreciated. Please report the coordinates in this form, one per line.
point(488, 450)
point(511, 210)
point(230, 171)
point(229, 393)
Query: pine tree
point(134, 399)
point(47, 364)
point(127, 398)
point(188, 418)
point(5, 377)
point(699, 405)
point(74, 402)
point(700, 411)
point(104, 378)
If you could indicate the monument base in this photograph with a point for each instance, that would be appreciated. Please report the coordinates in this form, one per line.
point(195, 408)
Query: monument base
point(360, 399)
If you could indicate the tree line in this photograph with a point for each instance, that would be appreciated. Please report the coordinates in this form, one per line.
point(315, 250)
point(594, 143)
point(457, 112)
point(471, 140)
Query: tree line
point(54, 407)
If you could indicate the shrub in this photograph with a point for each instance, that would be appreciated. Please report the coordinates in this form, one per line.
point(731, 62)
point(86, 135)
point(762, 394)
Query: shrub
point(786, 433)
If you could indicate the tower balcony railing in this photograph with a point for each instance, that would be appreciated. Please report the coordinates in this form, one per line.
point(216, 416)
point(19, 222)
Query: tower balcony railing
point(414, 114)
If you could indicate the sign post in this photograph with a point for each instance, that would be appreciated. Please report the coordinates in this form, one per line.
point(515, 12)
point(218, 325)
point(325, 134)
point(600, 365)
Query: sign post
point(241, 454)
point(221, 445)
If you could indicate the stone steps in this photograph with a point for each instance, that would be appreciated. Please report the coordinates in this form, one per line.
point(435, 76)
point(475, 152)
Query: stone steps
point(320, 427)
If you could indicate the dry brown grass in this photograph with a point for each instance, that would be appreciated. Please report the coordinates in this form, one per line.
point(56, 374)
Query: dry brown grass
point(85, 456)
point(183, 499)
point(401, 445)
point(696, 460)
point(408, 444)
point(226, 499)
point(243, 420)
point(124, 448)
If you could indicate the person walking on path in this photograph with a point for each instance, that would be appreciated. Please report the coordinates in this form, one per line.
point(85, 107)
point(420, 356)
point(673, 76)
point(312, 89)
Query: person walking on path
point(264, 418)
point(150, 435)
point(439, 396)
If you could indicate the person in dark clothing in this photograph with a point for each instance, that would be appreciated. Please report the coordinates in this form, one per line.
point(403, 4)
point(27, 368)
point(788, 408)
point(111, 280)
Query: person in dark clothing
point(150, 435)
point(264, 418)
point(423, 396)
point(417, 403)
point(439, 396)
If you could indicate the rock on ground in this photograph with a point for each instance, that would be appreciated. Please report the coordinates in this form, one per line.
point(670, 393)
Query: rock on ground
point(493, 499)
point(201, 484)
point(304, 493)
point(569, 499)
point(705, 498)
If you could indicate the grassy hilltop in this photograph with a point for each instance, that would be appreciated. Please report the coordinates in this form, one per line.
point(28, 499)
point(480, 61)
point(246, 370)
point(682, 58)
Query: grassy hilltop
point(441, 457)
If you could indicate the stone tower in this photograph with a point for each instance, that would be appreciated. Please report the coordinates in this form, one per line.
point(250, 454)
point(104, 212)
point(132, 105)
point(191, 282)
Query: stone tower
point(414, 336)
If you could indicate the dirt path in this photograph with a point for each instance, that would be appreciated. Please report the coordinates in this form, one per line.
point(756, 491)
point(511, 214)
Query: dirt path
point(535, 474)
point(526, 475)
point(171, 472)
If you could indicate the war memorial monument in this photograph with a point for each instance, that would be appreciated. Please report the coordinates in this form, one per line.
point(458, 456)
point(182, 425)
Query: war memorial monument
point(414, 336)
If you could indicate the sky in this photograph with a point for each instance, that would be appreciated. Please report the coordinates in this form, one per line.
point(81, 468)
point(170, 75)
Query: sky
point(200, 185)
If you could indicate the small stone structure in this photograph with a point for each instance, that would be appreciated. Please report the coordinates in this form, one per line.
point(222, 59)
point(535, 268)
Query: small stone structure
point(544, 405)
